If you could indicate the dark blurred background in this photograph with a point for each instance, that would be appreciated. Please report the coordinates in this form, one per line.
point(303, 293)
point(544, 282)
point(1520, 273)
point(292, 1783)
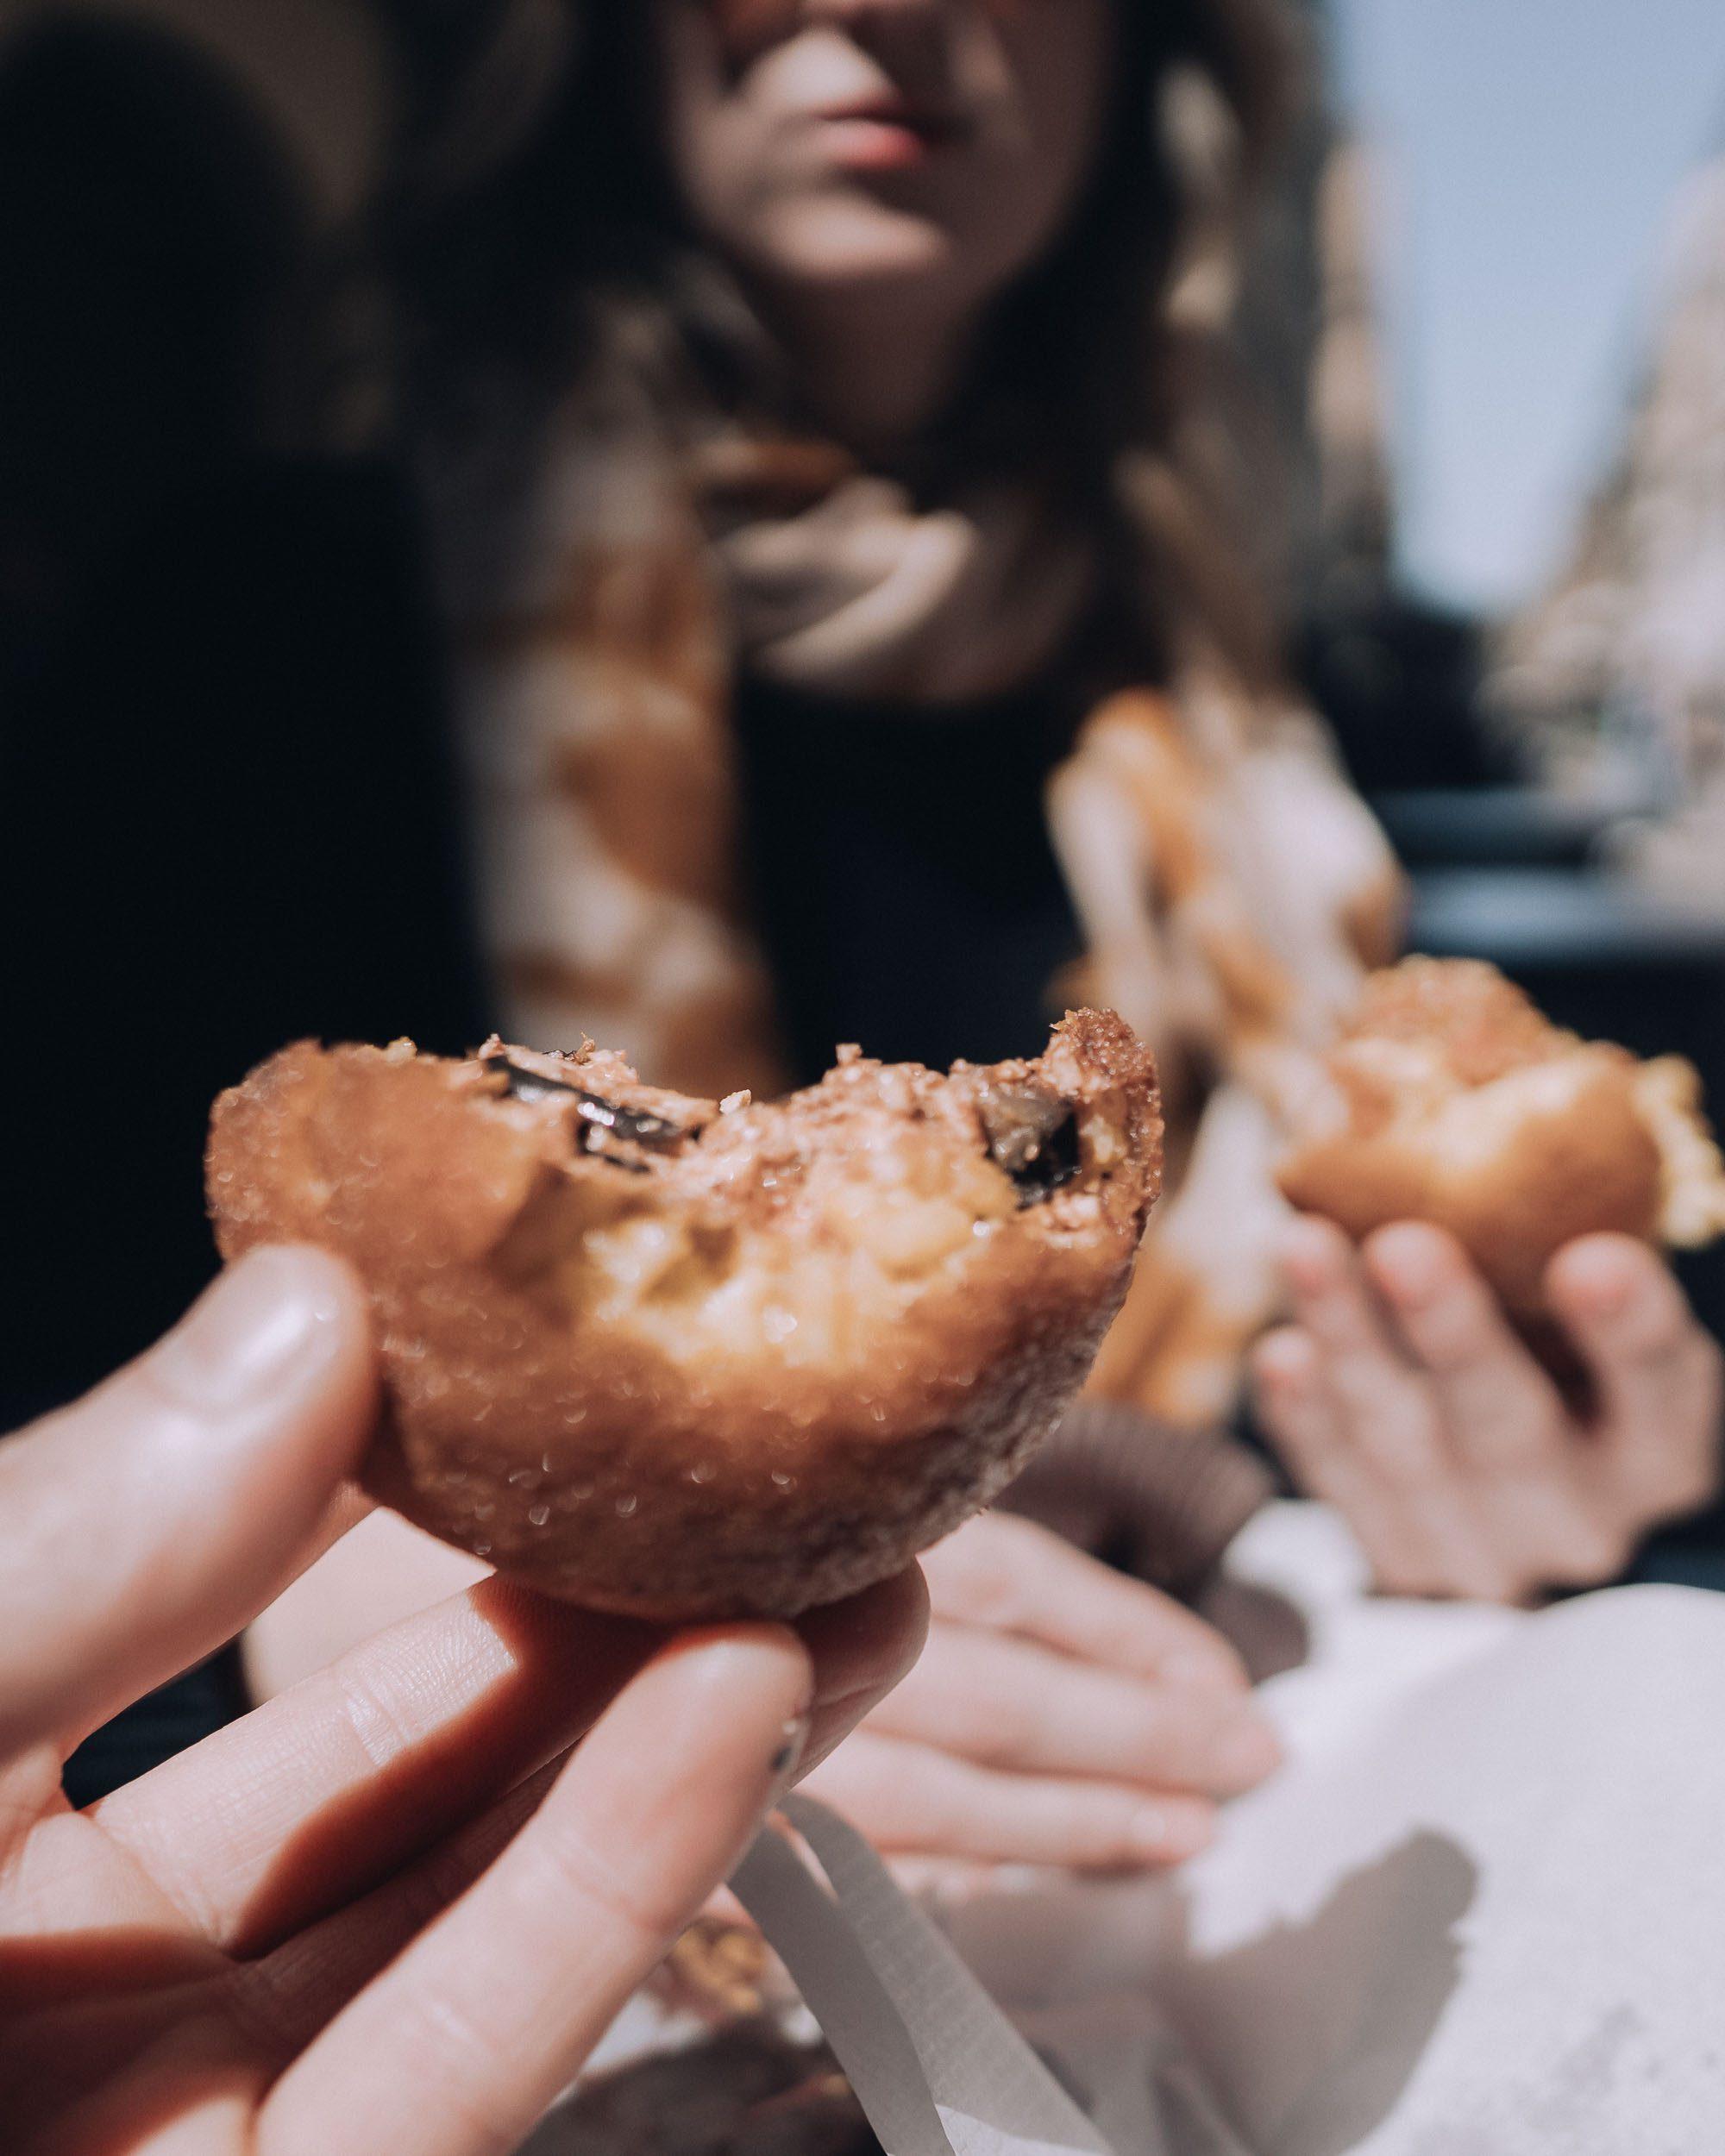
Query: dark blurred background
point(203, 602)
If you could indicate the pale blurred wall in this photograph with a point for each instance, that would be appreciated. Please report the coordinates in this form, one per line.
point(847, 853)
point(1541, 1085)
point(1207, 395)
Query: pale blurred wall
point(1532, 148)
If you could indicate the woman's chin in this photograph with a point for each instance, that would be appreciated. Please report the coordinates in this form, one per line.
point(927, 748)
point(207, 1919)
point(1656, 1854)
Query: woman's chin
point(865, 247)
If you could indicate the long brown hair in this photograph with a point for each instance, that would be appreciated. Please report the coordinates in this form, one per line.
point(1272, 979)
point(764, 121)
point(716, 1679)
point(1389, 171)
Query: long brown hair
point(537, 196)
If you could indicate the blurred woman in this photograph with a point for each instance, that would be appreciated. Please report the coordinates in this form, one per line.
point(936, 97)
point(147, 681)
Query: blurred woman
point(858, 579)
point(808, 419)
point(855, 642)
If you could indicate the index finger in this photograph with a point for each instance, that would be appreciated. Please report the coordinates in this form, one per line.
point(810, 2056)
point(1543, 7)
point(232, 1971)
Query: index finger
point(1501, 1409)
point(1657, 1368)
point(858, 1651)
point(469, 2034)
point(1007, 1575)
point(350, 1774)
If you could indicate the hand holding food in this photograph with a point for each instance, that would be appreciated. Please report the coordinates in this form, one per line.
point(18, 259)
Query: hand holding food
point(1404, 1395)
point(676, 1358)
point(388, 1910)
point(1455, 1101)
point(1502, 1387)
point(851, 1311)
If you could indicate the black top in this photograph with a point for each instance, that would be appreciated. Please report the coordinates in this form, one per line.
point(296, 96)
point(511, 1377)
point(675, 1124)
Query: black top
point(905, 890)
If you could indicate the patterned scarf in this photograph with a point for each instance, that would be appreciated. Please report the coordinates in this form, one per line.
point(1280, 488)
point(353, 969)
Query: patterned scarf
point(1230, 888)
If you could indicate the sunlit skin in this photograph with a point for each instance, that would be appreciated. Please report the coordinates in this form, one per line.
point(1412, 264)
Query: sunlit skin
point(397, 1907)
point(1402, 1394)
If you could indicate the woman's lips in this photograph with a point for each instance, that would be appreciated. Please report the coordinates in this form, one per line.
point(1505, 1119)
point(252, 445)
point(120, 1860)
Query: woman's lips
point(887, 137)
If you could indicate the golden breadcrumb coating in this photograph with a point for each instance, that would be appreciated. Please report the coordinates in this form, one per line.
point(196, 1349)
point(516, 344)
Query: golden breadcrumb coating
point(667, 1357)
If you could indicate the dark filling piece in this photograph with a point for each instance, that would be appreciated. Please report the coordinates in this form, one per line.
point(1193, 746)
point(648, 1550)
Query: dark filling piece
point(1032, 1136)
point(604, 1117)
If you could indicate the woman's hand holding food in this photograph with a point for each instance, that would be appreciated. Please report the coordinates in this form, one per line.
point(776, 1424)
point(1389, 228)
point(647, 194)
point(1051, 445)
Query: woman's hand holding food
point(397, 1905)
point(1402, 1395)
point(1061, 1714)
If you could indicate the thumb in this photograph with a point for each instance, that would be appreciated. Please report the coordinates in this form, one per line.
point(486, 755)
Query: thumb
point(142, 1527)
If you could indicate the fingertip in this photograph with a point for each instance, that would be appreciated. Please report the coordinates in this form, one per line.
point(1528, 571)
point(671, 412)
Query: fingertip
point(860, 1650)
point(1171, 1830)
point(914, 1614)
point(1249, 1753)
point(760, 1667)
point(1204, 1666)
point(304, 1276)
point(257, 1408)
point(869, 1641)
point(339, 1309)
point(179, 1495)
point(1614, 1291)
point(1600, 1274)
point(1414, 1263)
point(318, 1274)
point(1286, 1360)
point(285, 1328)
point(1314, 1254)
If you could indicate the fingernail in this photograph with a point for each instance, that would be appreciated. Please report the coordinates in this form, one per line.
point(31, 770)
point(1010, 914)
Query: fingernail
point(789, 1757)
point(1200, 1672)
point(1281, 1361)
point(1605, 1288)
point(1309, 1254)
point(1408, 1266)
point(260, 1321)
point(1247, 1750)
point(1165, 1835)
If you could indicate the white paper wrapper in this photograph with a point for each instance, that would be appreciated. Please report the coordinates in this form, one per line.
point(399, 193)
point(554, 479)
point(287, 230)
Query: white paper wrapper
point(937, 2066)
point(1481, 1913)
